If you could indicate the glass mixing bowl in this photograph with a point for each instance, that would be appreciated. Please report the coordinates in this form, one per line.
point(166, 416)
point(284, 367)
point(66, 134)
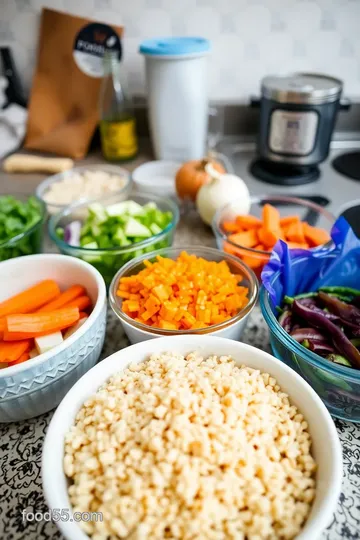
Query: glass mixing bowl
point(338, 386)
point(109, 260)
point(256, 259)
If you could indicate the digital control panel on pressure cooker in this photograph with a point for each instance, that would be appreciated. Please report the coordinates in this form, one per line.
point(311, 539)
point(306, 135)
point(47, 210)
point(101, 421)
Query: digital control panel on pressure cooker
point(293, 132)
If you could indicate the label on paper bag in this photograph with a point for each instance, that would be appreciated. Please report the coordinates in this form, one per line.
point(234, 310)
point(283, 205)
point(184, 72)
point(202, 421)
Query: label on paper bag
point(90, 45)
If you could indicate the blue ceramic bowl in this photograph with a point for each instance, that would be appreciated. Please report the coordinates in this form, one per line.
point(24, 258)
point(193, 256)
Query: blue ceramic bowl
point(39, 384)
point(338, 386)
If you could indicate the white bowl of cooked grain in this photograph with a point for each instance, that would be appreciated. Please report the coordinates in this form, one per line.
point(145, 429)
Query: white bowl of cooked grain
point(192, 437)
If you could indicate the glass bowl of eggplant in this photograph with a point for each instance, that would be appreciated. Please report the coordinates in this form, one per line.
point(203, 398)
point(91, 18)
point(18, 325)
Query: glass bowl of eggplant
point(317, 333)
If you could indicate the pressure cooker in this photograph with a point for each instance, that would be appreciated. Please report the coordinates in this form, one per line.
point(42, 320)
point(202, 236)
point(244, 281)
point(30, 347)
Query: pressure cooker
point(297, 117)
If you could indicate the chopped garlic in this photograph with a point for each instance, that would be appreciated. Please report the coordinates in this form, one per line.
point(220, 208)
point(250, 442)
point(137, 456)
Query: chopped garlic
point(87, 185)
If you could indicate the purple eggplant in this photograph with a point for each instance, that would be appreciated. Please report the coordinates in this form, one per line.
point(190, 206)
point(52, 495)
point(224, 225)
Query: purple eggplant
point(307, 333)
point(285, 320)
point(72, 233)
point(346, 312)
point(342, 344)
point(327, 314)
point(321, 347)
point(356, 332)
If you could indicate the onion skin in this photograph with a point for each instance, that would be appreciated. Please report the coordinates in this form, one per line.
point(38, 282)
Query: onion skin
point(192, 175)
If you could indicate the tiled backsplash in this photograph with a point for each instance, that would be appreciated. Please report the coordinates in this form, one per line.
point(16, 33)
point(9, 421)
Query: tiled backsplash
point(251, 38)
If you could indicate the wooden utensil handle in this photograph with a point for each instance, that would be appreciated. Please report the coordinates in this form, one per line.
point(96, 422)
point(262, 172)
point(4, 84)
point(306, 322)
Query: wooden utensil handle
point(26, 164)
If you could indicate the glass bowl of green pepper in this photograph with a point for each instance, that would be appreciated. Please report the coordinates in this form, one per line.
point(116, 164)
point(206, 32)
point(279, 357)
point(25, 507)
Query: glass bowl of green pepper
point(21, 226)
point(110, 232)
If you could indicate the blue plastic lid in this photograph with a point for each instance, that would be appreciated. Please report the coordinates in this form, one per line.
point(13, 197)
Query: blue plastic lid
point(174, 46)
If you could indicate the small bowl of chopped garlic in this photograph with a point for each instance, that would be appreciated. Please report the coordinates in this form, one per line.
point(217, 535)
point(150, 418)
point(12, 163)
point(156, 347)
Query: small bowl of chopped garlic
point(192, 437)
point(86, 183)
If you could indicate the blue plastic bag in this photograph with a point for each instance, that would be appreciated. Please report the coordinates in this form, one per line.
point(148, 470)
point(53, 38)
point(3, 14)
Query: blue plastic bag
point(301, 271)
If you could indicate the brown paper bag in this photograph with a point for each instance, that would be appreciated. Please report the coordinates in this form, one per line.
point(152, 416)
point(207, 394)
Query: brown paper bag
point(63, 110)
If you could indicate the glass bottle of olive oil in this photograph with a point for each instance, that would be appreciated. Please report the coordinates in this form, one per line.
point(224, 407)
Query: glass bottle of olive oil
point(117, 120)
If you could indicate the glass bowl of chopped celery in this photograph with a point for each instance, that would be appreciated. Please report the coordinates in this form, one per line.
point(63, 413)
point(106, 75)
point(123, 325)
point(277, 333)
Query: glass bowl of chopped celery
point(21, 226)
point(110, 232)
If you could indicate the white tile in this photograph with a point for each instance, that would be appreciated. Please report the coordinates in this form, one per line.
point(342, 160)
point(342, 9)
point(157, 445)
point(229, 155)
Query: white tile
point(254, 22)
point(83, 8)
point(153, 23)
point(250, 37)
point(9, 11)
point(25, 28)
point(52, 4)
point(302, 19)
point(203, 22)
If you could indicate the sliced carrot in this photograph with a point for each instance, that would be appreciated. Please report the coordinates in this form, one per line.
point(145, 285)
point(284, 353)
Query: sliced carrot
point(30, 299)
point(82, 303)
point(255, 261)
point(315, 236)
point(83, 315)
point(64, 299)
point(295, 233)
point(228, 248)
point(271, 217)
point(248, 222)
point(10, 352)
point(268, 238)
point(288, 220)
point(296, 245)
point(245, 239)
point(230, 226)
point(37, 324)
point(20, 360)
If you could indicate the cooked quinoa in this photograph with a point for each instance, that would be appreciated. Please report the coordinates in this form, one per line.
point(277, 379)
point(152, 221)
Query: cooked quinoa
point(191, 448)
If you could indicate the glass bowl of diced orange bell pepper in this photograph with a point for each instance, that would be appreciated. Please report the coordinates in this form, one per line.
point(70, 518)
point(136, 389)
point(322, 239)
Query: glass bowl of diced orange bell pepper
point(301, 223)
point(188, 290)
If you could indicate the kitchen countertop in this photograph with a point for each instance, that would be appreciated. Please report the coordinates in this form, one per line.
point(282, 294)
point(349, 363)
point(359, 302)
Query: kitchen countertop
point(21, 443)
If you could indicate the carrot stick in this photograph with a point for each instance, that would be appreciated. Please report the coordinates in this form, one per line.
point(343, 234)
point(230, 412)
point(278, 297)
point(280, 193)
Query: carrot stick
point(271, 231)
point(245, 239)
point(297, 245)
point(30, 299)
point(268, 239)
point(67, 296)
point(20, 360)
point(230, 227)
point(248, 222)
point(295, 233)
point(37, 324)
point(288, 220)
point(9, 352)
point(315, 236)
point(82, 302)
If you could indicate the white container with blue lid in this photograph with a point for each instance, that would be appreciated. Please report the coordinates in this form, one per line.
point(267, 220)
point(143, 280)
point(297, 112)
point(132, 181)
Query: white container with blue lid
point(177, 89)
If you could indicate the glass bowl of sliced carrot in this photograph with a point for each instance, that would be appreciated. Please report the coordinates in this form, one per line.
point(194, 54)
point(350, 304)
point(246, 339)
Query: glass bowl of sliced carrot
point(189, 290)
point(301, 223)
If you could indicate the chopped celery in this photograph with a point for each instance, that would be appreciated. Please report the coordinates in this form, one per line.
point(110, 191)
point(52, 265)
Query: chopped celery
point(118, 226)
